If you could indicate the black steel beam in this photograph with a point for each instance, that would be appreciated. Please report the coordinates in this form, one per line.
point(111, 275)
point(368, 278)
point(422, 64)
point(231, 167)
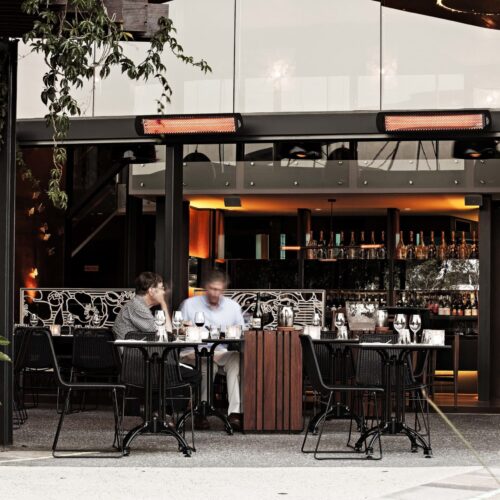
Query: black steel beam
point(256, 127)
point(172, 225)
point(392, 229)
point(132, 220)
point(485, 305)
point(8, 70)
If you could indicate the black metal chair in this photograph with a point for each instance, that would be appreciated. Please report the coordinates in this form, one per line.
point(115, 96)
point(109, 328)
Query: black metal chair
point(41, 339)
point(313, 373)
point(30, 358)
point(94, 356)
point(175, 384)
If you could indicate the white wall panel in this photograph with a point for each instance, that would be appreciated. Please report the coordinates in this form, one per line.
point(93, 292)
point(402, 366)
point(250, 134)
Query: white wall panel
point(297, 56)
point(206, 31)
point(437, 63)
point(31, 68)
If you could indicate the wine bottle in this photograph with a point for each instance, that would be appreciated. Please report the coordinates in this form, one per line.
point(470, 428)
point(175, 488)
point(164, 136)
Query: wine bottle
point(410, 248)
point(341, 250)
point(311, 251)
point(257, 314)
point(421, 249)
point(362, 251)
point(463, 249)
point(474, 249)
point(447, 306)
point(474, 305)
point(321, 251)
point(372, 252)
point(431, 249)
point(401, 248)
point(452, 247)
point(382, 251)
point(352, 250)
point(330, 252)
point(443, 248)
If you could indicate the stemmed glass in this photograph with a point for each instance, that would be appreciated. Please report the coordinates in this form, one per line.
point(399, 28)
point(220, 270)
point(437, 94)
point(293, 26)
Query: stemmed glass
point(399, 323)
point(415, 325)
point(33, 320)
point(199, 319)
point(96, 320)
point(177, 322)
point(70, 322)
point(339, 324)
point(160, 322)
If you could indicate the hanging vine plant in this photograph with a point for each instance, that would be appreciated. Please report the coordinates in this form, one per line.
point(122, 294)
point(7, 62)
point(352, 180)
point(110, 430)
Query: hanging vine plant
point(80, 40)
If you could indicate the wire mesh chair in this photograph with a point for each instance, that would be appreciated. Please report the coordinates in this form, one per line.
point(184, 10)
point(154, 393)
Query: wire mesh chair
point(313, 373)
point(94, 356)
point(42, 340)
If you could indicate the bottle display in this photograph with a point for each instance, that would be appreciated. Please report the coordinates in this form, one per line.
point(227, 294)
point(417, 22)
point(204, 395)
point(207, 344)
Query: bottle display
point(410, 248)
point(257, 314)
point(431, 249)
point(401, 248)
point(352, 251)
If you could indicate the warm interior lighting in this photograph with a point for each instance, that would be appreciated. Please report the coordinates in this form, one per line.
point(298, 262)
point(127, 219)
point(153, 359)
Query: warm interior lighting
point(294, 248)
point(433, 121)
point(188, 124)
point(33, 273)
point(485, 148)
point(371, 245)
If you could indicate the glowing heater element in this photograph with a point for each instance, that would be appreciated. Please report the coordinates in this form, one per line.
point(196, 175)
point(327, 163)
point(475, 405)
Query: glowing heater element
point(188, 124)
point(433, 121)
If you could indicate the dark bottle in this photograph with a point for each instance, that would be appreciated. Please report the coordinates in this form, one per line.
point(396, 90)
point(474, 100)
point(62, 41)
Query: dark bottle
point(352, 251)
point(474, 305)
point(257, 314)
point(431, 249)
point(463, 249)
point(474, 249)
point(452, 247)
point(421, 249)
point(454, 306)
point(372, 252)
point(401, 248)
point(341, 250)
point(311, 251)
point(410, 248)
point(362, 250)
point(442, 250)
point(382, 251)
point(321, 252)
point(330, 249)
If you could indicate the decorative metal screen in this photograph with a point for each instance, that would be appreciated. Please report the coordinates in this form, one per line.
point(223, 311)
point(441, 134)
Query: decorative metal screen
point(99, 307)
point(96, 307)
point(306, 302)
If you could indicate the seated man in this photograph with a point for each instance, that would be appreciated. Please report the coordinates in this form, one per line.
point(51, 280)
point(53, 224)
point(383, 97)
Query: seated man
point(221, 312)
point(136, 315)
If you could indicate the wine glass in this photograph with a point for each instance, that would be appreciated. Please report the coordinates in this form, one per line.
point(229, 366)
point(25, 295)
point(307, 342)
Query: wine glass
point(96, 320)
point(399, 322)
point(316, 321)
point(160, 322)
point(177, 322)
point(33, 319)
point(199, 319)
point(70, 322)
point(415, 324)
point(339, 322)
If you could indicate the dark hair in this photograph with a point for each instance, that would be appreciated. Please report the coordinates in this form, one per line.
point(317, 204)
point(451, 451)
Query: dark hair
point(215, 275)
point(147, 280)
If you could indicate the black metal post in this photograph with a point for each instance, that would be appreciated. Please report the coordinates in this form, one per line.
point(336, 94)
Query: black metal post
point(486, 281)
point(184, 258)
point(132, 218)
point(303, 227)
point(172, 228)
point(160, 236)
point(392, 230)
point(494, 288)
point(68, 220)
point(8, 78)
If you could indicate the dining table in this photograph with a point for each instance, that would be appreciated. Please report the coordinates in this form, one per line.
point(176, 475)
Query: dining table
point(394, 358)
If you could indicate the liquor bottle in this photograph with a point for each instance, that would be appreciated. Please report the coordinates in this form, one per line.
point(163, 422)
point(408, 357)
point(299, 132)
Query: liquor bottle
point(421, 249)
point(454, 307)
point(372, 252)
point(431, 249)
point(474, 249)
point(442, 248)
point(401, 248)
point(463, 249)
point(467, 306)
point(382, 251)
point(361, 250)
point(474, 304)
point(446, 306)
point(452, 247)
point(330, 251)
point(311, 243)
point(410, 248)
point(321, 251)
point(341, 250)
point(257, 314)
point(352, 252)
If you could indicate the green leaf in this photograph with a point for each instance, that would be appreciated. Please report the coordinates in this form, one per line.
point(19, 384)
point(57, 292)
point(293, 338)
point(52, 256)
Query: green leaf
point(4, 357)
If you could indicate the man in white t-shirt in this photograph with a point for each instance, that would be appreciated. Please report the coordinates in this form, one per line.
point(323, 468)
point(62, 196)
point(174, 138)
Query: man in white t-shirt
point(221, 312)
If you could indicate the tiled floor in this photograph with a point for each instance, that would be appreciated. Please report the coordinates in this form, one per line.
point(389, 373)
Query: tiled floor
point(246, 465)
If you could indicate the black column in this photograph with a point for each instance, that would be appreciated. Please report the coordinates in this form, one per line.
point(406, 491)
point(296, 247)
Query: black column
point(172, 225)
point(486, 283)
point(184, 261)
point(132, 231)
point(494, 289)
point(303, 227)
point(8, 72)
point(392, 230)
